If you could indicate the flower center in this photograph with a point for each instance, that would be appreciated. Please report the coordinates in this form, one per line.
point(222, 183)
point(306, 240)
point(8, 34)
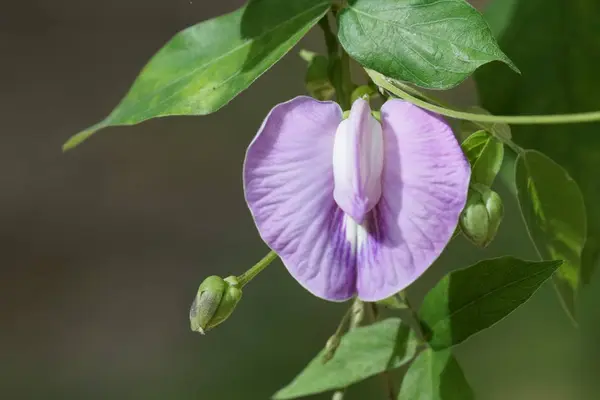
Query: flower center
point(358, 162)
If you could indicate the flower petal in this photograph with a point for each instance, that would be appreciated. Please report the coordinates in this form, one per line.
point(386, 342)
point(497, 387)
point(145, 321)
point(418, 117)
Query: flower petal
point(288, 184)
point(424, 189)
point(358, 162)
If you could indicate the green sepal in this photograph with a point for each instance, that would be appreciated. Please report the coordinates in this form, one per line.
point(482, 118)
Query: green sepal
point(215, 301)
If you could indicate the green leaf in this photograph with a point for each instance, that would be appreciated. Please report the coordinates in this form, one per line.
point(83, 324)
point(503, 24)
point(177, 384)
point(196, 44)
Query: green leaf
point(556, 46)
point(553, 210)
point(205, 66)
point(469, 300)
point(433, 44)
point(435, 375)
point(363, 352)
point(485, 154)
point(317, 80)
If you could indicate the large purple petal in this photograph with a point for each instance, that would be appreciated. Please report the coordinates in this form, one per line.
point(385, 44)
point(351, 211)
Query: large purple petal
point(288, 184)
point(424, 189)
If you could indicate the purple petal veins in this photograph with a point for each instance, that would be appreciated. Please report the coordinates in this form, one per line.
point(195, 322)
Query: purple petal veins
point(355, 207)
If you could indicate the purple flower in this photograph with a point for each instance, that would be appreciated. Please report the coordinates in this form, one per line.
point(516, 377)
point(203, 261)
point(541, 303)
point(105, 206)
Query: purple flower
point(355, 207)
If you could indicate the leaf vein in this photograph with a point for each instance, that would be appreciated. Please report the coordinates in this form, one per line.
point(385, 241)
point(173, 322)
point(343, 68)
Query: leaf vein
point(479, 298)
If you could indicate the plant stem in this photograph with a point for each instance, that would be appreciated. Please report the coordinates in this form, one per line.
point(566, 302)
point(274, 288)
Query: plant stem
point(357, 313)
point(410, 94)
point(431, 107)
point(339, 65)
point(256, 269)
point(593, 116)
point(334, 341)
point(346, 85)
point(330, 39)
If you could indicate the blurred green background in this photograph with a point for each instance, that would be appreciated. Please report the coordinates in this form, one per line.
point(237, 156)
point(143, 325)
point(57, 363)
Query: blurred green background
point(102, 248)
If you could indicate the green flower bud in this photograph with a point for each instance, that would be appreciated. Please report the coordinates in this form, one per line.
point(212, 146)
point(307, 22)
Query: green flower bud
point(482, 215)
point(317, 80)
point(215, 301)
point(331, 346)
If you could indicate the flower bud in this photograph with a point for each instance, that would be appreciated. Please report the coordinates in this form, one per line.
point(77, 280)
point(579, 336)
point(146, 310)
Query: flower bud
point(215, 301)
point(482, 215)
point(317, 81)
point(331, 346)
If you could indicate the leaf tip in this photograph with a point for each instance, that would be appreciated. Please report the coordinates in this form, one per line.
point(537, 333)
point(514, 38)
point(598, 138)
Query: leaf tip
point(512, 65)
point(80, 137)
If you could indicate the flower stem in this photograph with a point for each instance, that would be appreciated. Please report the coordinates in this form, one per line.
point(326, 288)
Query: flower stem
point(334, 341)
point(357, 313)
point(256, 269)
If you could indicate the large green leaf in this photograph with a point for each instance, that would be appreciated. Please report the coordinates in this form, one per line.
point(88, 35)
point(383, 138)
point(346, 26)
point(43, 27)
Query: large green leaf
point(469, 300)
point(363, 352)
point(433, 44)
point(485, 154)
point(205, 66)
point(557, 45)
point(435, 375)
point(554, 213)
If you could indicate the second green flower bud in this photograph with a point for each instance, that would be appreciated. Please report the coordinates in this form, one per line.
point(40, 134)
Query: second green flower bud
point(482, 215)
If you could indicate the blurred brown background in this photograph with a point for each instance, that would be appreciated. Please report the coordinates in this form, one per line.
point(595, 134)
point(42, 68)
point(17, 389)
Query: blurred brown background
point(102, 248)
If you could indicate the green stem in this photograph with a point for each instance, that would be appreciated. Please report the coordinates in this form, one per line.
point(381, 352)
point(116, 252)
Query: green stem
point(508, 142)
point(415, 92)
point(429, 103)
point(334, 341)
point(357, 313)
point(593, 116)
point(256, 269)
point(339, 65)
point(346, 85)
point(330, 39)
